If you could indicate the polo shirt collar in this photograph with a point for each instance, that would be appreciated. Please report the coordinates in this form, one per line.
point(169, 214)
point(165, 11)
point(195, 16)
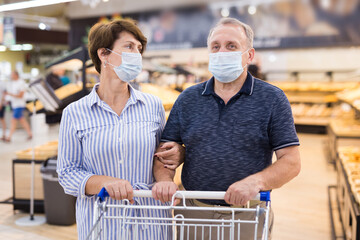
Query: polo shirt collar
point(134, 96)
point(247, 88)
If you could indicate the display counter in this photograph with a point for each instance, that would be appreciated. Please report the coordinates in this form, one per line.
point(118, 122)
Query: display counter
point(348, 190)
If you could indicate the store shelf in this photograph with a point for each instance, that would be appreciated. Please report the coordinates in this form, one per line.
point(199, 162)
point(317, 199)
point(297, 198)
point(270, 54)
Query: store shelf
point(342, 132)
point(318, 121)
point(61, 93)
point(329, 87)
point(314, 104)
point(168, 96)
point(21, 175)
point(345, 128)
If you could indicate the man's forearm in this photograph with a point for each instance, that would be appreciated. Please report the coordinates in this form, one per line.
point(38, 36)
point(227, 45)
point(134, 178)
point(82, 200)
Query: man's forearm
point(282, 171)
point(161, 173)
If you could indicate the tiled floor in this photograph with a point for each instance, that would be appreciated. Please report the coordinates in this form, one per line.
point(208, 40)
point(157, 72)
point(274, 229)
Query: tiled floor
point(301, 207)
point(12, 233)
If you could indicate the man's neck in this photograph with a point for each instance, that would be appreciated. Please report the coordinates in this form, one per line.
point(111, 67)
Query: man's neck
point(227, 90)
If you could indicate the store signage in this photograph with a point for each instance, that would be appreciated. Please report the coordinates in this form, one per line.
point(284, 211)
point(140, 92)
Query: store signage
point(8, 32)
point(279, 24)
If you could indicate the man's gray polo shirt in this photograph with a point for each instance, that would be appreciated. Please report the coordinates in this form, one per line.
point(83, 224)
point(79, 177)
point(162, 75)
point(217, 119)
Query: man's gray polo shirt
point(226, 143)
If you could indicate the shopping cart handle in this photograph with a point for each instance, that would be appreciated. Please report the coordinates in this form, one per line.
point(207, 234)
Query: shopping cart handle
point(262, 196)
point(137, 193)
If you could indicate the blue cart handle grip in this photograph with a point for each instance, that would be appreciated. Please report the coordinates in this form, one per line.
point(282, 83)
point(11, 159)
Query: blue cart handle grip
point(265, 196)
point(103, 194)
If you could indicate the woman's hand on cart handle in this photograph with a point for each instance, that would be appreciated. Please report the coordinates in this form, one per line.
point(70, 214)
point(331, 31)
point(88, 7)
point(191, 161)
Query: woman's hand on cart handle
point(164, 191)
point(119, 189)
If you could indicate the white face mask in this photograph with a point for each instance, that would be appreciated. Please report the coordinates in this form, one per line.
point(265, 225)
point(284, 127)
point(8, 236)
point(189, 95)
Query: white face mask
point(226, 66)
point(130, 67)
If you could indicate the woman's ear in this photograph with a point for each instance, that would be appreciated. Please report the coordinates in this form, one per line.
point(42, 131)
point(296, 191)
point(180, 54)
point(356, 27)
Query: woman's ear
point(103, 55)
point(101, 52)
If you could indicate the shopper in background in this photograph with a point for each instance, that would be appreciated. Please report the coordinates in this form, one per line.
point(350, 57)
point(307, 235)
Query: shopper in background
point(2, 110)
point(254, 70)
point(230, 126)
point(108, 138)
point(54, 80)
point(16, 93)
point(61, 74)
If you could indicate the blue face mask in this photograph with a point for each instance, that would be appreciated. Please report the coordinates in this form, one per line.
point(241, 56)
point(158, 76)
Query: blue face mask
point(226, 66)
point(130, 67)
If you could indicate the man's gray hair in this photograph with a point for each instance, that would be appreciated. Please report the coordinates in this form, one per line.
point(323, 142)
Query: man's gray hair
point(233, 21)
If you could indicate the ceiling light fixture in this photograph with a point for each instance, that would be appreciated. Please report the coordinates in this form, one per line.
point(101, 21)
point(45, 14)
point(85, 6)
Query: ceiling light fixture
point(252, 9)
point(325, 4)
point(42, 26)
point(30, 4)
point(225, 12)
point(27, 47)
point(16, 47)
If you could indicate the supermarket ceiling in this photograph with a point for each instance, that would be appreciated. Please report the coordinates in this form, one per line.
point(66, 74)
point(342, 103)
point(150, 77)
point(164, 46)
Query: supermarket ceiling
point(57, 16)
point(276, 23)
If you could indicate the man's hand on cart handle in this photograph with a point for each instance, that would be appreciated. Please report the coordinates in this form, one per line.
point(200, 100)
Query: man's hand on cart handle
point(171, 154)
point(241, 192)
point(164, 191)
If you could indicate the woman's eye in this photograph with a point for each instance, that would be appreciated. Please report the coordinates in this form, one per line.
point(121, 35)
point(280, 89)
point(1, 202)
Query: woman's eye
point(215, 47)
point(129, 46)
point(232, 46)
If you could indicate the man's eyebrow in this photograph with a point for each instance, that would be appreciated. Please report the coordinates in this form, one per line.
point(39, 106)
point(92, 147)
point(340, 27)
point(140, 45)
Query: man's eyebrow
point(233, 42)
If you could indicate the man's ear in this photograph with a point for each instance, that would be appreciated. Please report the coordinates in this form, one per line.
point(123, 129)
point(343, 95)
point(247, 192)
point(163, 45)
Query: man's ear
point(251, 55)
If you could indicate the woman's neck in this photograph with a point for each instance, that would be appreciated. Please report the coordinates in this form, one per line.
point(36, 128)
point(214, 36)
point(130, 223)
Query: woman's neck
point(113, 91)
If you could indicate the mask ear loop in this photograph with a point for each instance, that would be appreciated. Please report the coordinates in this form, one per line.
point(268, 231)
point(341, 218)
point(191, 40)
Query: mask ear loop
point(106, 62)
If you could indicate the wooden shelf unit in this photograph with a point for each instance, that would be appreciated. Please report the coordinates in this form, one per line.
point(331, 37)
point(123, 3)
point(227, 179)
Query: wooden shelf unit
point(349, 208)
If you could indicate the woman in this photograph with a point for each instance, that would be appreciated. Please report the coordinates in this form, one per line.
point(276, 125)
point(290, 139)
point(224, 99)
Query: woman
point(108, 138)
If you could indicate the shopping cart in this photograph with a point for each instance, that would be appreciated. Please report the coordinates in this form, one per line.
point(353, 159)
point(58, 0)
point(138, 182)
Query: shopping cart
point(178, 223)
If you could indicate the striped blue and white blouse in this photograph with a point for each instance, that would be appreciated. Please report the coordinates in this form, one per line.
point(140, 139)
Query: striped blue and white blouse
point(94, 140)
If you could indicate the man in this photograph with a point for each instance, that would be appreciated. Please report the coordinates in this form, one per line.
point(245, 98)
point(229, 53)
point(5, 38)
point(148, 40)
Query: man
point(16, 93)
point(230, 126)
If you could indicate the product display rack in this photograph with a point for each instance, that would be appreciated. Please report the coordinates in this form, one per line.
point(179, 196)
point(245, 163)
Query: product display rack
point(80, 53)
point(344, 133)
point(69, 93)
point(348, 206)
point(313, 103)
point(19, 200)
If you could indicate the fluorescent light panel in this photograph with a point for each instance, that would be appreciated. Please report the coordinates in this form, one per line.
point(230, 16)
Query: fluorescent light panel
point(30, 4)
point(16, 47)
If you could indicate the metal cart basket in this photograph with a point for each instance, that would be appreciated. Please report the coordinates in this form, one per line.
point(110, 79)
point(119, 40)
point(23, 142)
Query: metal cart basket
point(179, 224)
